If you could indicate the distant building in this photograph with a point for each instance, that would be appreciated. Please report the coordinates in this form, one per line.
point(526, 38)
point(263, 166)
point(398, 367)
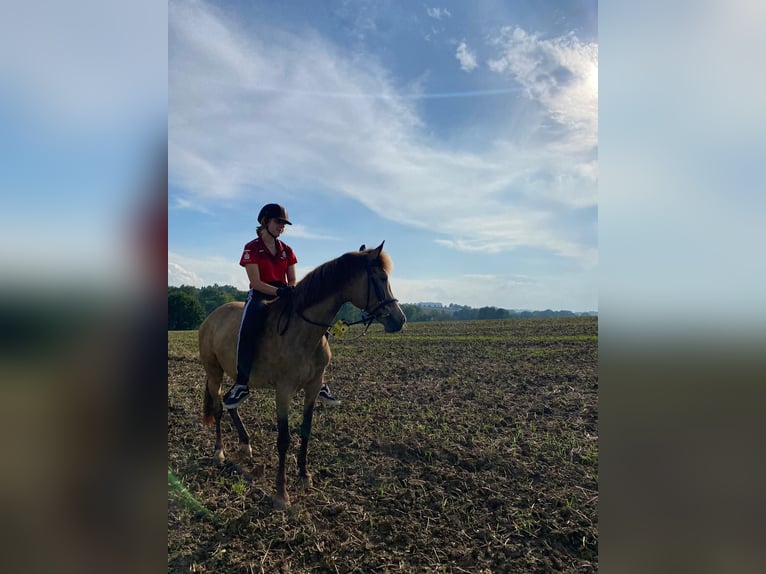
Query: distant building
point(430, 305)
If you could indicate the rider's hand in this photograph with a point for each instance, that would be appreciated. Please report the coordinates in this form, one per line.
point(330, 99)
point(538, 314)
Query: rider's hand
point(285, 292)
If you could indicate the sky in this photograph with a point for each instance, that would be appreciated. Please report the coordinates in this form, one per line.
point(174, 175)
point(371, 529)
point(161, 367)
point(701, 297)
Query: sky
point(464, 135)
point(470, 155)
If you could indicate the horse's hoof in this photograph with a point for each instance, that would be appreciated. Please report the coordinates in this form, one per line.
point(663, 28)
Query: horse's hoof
point(280, 502)
point(246, 451)
point(219, 455)
point(306, 481)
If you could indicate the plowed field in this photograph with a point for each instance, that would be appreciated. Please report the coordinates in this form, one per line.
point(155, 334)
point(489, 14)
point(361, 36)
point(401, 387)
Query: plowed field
point(458, 447)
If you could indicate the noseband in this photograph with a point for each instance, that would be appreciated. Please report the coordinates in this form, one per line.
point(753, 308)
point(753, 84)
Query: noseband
point(372, 314)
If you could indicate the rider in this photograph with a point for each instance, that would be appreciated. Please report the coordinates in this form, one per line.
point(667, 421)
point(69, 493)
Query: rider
point(270, 266)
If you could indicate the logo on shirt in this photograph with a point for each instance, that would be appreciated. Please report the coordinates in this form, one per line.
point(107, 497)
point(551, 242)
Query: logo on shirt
point(284, 254)
point(246, 255)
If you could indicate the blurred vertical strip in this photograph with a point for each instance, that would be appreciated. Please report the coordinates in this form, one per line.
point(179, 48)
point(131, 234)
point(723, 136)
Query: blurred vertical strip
point(83, 253)
point(681, 307)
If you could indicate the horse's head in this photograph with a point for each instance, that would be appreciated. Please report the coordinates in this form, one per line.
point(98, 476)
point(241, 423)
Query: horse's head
point(376, 298)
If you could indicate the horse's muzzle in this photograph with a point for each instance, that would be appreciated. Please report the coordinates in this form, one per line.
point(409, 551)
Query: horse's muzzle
point(393, 320)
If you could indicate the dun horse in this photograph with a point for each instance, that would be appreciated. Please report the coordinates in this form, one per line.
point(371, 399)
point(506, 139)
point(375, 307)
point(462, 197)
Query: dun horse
point(293, 352)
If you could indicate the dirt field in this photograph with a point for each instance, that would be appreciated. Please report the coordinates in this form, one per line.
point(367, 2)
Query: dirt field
point(458, 447)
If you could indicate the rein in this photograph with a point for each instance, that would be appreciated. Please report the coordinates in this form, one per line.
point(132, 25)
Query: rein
point(368, 316)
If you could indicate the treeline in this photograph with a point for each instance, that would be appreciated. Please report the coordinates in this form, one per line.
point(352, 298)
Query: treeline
point(188, 306)
point(462, 313)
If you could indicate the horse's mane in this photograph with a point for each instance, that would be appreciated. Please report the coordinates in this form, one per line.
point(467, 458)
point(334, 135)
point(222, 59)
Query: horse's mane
point(326, 279)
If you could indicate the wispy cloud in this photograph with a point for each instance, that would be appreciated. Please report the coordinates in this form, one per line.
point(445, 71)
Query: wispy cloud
point(559, 73)
point(254, 114)
point(466, 57)
point(186, 270)
point(178, 275)
point(184, 203)
point(299, 230)
point(203, 271)
point(438, 13)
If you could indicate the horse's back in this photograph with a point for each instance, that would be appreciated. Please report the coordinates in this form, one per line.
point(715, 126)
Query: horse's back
point(218, 330)
point(220, 314)
point(277, 354)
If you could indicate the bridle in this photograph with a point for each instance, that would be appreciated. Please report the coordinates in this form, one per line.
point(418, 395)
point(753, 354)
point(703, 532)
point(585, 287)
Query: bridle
point(368, 315)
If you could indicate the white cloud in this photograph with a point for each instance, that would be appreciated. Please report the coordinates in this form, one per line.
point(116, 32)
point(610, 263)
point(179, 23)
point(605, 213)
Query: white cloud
point(185, 203)
point(203, 271)
point(185, 270)
point(271, 111)
point(438, 13)
point(178, 275)
point(466, 57)
point(299, 230)
point(560, 74)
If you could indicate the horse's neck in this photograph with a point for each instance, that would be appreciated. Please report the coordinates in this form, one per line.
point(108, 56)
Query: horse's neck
point(325, 310)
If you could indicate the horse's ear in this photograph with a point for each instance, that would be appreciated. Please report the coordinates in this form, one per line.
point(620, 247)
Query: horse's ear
point(363, 247)
point(378, 249)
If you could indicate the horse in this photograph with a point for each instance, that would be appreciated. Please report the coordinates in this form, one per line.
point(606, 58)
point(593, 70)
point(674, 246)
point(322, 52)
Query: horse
point(293, 351)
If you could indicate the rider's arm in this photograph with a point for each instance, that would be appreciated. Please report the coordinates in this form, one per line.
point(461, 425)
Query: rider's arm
point(291, 275)
point(255, 280)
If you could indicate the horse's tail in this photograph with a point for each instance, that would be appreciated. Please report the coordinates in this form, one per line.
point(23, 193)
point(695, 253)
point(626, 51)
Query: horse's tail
point(208, 418)
point(213, 370)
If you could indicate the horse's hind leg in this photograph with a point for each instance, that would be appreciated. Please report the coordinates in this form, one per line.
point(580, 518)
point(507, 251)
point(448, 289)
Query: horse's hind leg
point(308, 415)
point(310, 395)
point(282, 499)
point(212, 405)
point(244, 438)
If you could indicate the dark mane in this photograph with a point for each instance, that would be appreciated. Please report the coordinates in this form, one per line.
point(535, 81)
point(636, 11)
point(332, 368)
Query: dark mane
point(328, 278)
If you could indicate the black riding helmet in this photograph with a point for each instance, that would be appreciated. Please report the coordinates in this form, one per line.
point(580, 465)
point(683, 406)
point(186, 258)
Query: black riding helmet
point(273, 211)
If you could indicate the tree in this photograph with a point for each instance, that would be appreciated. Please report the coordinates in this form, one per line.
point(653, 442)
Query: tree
point(184, 311)
point(465, 314)
point(189, 289)
point(492, 313)
point(213, 297)
point(413, 312)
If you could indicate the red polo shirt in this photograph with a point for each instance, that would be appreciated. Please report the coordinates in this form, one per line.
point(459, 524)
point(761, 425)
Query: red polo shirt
point(272, 268)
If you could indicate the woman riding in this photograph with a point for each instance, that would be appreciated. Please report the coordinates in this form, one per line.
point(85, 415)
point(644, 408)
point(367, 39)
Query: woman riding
point(270, 266)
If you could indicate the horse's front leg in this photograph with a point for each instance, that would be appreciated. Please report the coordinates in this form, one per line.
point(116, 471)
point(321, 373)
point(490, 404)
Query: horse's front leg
point(244, 438)
point(219, 455)
point(308, 415)
point(282, 499)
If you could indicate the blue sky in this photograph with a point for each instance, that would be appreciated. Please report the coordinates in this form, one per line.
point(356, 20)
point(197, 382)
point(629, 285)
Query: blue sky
point(462, 134)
